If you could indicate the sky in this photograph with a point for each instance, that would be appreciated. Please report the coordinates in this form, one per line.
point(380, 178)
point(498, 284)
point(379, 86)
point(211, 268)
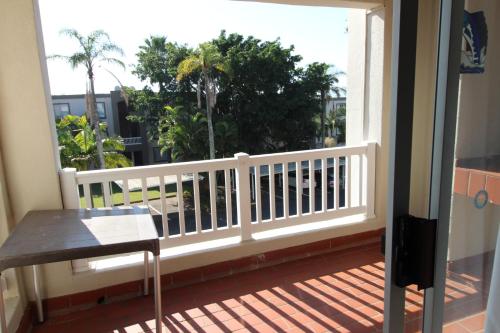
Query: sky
point(318, 33)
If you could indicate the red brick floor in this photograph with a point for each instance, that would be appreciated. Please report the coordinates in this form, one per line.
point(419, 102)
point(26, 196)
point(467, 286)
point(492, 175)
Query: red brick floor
point(336, 292)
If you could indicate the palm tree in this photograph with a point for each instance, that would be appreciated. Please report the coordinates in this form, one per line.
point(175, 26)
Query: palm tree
point(93, 49)
point(78, 145)
point(208, 61)
point(324, 83)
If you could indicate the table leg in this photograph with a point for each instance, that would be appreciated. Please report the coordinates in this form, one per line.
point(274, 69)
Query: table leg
point(146, 273)
point(38, 296)
point(157, 283)
point(2, 310)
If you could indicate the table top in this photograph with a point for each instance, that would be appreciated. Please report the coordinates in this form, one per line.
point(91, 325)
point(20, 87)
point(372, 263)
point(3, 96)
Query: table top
point(57, 235)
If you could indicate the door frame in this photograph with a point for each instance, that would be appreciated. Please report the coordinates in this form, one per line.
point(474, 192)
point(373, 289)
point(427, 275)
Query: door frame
point(443, 159)
point(403, 63)
point(404, 37)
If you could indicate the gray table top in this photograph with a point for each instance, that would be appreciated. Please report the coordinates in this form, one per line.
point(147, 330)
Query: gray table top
point(57, 235)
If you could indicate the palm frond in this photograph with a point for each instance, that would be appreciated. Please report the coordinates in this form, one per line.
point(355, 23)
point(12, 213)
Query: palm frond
point(113, 61)
point(187, 67)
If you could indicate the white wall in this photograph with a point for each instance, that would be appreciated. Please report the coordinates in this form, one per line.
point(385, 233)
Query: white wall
point(26, 140)
point(368, 93)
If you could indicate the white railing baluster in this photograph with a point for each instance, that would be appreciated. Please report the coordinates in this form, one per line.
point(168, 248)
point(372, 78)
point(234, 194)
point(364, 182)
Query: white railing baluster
point(243, 196)
point(213, 198)
point(144, 188)
point(197, 212)
point(347, 181)
point(126, 194)
point(324, 184)
point(88, 195)
point(272, 194)
point(357, 176)
point(298, 178)
point(180, 205)
point(312, 188)
point(227, 194)
point(164, 210)
point(107, 195)
point(360, 180)
point(286, 211)
point(370, 179)
point(258, 195)
point(336, 182)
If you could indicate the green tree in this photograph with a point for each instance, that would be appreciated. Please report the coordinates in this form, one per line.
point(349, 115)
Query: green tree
point(184, 132)
point(335, 121)
point(78, 145)
point(157, 63)
point(208, 62)
point(92, 49)
point(318, 77)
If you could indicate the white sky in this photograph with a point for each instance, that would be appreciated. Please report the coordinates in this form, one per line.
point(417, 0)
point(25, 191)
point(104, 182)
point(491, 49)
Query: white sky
point(318, 33)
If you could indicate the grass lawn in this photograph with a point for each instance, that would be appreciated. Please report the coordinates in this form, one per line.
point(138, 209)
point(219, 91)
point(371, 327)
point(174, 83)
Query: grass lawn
point(117, 194)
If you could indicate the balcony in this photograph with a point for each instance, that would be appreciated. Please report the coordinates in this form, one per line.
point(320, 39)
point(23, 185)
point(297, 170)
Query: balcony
point(224, 202)
point(339, 291)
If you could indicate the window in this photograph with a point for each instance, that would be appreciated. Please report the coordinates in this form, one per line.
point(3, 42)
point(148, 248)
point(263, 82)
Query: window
point(61, 110)
point(101, 110)
point(341, 106)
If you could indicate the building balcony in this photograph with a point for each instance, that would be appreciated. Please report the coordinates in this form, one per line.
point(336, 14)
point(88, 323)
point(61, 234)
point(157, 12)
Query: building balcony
point(340, 290)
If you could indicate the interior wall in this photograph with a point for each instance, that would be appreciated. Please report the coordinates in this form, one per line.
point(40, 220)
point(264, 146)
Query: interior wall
point(473, 230)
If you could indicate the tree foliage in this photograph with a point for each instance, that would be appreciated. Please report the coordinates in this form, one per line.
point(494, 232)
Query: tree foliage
point(92, 49)
point(265, 101)
point(78, 147)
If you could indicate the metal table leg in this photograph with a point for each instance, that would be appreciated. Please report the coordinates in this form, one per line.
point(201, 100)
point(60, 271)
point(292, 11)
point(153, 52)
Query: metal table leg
point(2, 310)
point(146, 273)
point(157, 285)
point(38, 296)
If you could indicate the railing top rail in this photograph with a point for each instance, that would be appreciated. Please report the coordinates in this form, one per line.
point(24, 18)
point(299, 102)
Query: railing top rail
point(155, 170)
point(294, 156)
point(213, 165)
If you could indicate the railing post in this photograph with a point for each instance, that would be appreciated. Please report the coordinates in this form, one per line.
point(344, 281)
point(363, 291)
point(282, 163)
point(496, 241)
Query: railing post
point(69, 188)
point(243, 195)
point(71, 200)
point(370, 179)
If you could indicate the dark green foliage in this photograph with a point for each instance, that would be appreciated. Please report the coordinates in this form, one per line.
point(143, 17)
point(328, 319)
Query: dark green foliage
point(265, 102)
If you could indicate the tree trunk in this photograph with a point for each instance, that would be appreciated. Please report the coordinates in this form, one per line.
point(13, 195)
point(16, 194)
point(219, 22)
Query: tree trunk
point(208, 94)
point(323, 114)
point(94, 121)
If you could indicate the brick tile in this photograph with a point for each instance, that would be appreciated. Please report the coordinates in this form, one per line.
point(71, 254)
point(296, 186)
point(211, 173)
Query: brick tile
point(474, 323)
point(461, 181)
point(125, 288)
point(454, 328)
point(88, 297)
point(493, 188)
point(56, 303)
point(339, 292)
point(187, 276)
point(477, 182)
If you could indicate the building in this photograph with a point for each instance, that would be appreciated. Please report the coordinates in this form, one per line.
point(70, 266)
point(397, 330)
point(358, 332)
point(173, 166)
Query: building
point(113, 111)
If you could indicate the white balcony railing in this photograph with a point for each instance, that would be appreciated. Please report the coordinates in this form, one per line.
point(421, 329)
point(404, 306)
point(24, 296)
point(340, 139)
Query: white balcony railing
point(237, 196)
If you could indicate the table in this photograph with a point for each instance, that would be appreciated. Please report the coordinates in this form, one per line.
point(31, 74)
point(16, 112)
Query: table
point(47, 236)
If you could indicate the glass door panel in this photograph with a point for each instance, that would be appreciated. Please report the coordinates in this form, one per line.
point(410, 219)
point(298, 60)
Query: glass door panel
point(472, 288)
